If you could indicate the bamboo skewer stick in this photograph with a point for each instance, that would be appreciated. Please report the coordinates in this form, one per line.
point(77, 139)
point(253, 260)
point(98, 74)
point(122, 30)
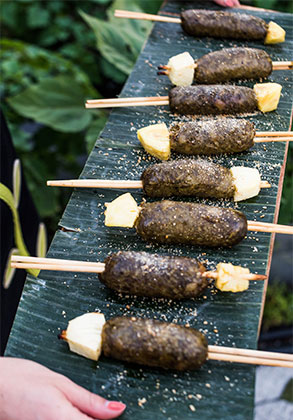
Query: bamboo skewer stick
point(277, 65)
point(145, 16)
point(18, 261)
point(274, 134)
point(269, 227)
point(251, 353)
point(249, 360)
point(120, 102)
point(103, 183)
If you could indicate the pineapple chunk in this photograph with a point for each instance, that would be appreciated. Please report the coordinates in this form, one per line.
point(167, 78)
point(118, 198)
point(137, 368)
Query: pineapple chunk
point(155, 140)
point(267, 95)
point(121, 212)
point(246, 182)
point(275, 34)
point(230, 278)
point(181, 70)
point(84, 335)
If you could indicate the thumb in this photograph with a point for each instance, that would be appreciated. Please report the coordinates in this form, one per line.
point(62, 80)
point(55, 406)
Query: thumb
point(91, 404)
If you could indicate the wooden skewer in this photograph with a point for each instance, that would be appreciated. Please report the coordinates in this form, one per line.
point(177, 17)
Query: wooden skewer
point(269, 227)
point(145, 16)
point(249, 360)
point(277, 65)
point(54, 261)
point(274, 134)
point(249, 276)
point(251, 353)
point(18, 261)
point(103, 183)
point(120, 102)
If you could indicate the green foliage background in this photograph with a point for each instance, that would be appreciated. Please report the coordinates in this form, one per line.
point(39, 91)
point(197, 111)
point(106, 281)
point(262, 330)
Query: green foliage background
point(56, 54)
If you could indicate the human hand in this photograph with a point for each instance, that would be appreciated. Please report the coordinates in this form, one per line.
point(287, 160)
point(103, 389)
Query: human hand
point(228, 3)
point(29, 391)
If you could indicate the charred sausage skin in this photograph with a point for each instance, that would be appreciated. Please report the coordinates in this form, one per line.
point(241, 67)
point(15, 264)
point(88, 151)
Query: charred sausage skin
point(188, 177)
point(190, 223)
point(153, 343)
point(219, 24)
point(233, 64)
point(143, 274)
point(212, 100)
point(212, 136)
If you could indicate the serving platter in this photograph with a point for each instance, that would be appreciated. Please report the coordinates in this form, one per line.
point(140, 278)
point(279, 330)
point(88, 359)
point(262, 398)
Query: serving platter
point(218, 390)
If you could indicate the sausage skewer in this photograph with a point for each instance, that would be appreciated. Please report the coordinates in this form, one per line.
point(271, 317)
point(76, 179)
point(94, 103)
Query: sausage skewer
point(205, 99)
point(171, 222)
point(195, 178)
point(221, 66)
point(151, 275)
point(217, 24)
point(154, 343)
point(205, 137)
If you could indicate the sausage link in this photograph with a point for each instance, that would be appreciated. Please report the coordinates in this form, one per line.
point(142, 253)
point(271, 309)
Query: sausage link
point(223, 24)
point(143, 274)
point(212, 99)
point(210, 137)
point(233, 63)
point(190, 223)
point(153, 343)
point(199, 178)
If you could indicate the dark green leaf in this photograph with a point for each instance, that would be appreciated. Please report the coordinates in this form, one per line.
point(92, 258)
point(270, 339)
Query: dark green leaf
point(118, 44)
point(57, 102)
point(37, 16)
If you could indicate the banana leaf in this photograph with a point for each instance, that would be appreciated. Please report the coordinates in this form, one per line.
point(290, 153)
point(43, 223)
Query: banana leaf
point(218, 390)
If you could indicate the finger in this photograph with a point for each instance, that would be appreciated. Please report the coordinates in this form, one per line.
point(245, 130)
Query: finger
point(228, 3)
point(68, 411)
point(90, 403)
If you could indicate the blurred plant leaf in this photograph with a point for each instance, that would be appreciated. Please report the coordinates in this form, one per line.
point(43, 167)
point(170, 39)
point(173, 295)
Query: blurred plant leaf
point(37, 16)
point(287, 393)
point(94, 130)
point(23, 64)
point(118, 44)
point(16, 180)
point(9, 271)
point(41, 248)
point(57, 102)
point(45, 199)
point(7, 196)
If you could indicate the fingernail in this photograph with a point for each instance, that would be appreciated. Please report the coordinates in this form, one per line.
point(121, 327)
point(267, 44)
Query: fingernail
point(116, 406)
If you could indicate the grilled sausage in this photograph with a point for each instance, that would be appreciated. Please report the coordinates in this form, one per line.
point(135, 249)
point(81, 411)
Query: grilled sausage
point(199, 178)
point(153, 343)
point(143, 274)
point(233, 63)
point(223, 24)
point(212, 99)
point(209, 137)
point(190, 223)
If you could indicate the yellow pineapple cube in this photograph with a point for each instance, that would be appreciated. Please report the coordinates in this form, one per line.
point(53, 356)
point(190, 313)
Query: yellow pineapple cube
point(267, 95)
point(84, 335)
point(246, 182)
point(230, 278)
point(155, 140)
point(181, 69)
point(275, 34)
point(121, 212)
